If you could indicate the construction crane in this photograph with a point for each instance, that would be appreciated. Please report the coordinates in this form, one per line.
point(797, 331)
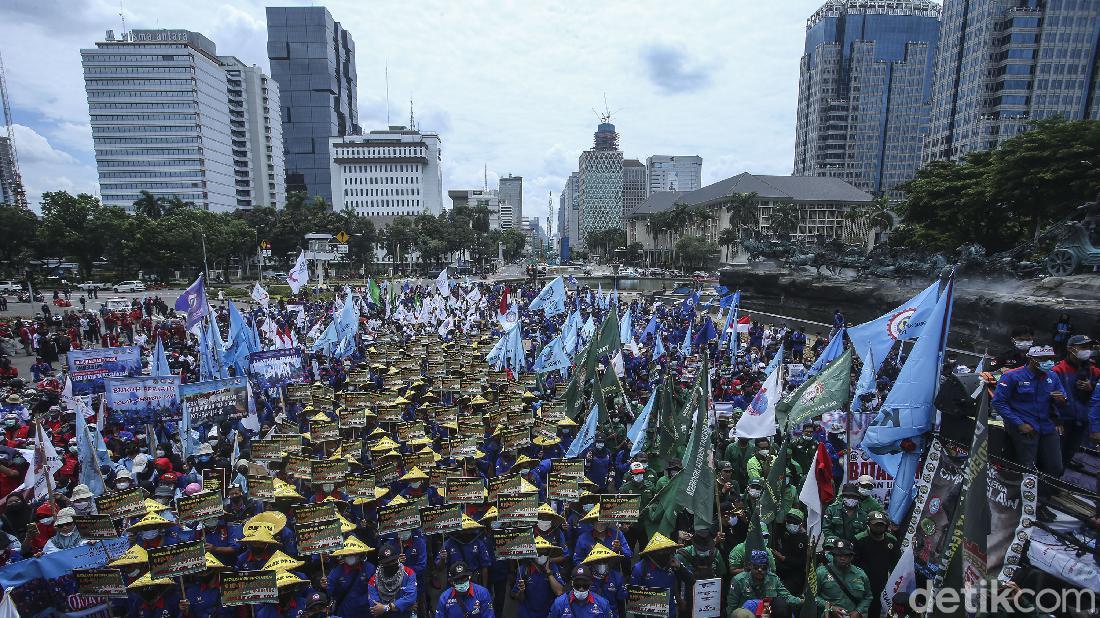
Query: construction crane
point(16, 179)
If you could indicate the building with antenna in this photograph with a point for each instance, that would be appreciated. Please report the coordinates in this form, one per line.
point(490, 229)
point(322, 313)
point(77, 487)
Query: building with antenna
point(11, 182)
point(388, 173)
point(600, 175)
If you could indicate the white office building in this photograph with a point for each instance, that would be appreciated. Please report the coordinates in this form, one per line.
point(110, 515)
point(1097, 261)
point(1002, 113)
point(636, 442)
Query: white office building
point(500, 213)
point(674, 173)
point(160, 119)
point(259, 170)
point(389, 173)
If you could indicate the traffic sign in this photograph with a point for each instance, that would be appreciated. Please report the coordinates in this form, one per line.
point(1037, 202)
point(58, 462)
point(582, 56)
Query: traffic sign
point(342, 237)
point(264, 244)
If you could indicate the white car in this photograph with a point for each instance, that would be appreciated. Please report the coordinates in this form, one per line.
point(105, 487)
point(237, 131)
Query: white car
point(10, 287)
point(130, 286)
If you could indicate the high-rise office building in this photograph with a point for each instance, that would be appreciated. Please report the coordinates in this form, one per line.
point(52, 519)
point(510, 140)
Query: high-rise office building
point(601, 184)
point(259, 174)
point(674, 173)
point(569, 209)
point(1003, 64)
point(8, 189)
point(511, 191)
point(864, 92)
point(158, 102)
point(383, 174)
point(635, 188)
point(313, 60)
point(489, 198)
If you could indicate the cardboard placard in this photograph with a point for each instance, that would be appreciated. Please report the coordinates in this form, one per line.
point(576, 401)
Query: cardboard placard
point(328, 470)
point(96, 527)
point(519, 508)
point(620, 508)
point(179, 559)
point(299, 392)
point(561, 486)
point(521, 418)
point(319, 537)
point(297, 466)
point(359, 377)
point(356, 400)
point(646, 601)
point(515, 543)
point(707, 598)
point(545, 428)
point(248, 588)
point(465, 490)
point(359, 486)
point(199, 507)
point(312, 513)
point(462, 447)
point(100, 583)
point(389, 414)
point(261, 487)
point(571, 467)
point(324, 431)
point(410, 430)
point(471, 425)
point(385, 473)
point(441, 519)
point(515, 439)
point(353, 417)
point(214, 479)
point(437, 476)
point(394, 518)
point(507, 484)
point(273, 448)
point(122, 504)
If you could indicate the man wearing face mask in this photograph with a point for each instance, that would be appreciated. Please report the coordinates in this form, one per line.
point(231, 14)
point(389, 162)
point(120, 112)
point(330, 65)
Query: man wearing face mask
point(659, 567)
point(842, 585)
point(597, 463)
point(580, 601)
point(1015, 356)
point(843, 518)
point(1077, 375)
point(602, 533)
point(868, 503)
point(759, 582)
point(392, 588)
point(1030, 401)
point(414, 551)
point(790, 551)
point(67, 536)
point(464, 598)
point(875, 547)
point(701, 559)
point(538, 582)
point(760, 463)
point(804, 446)
point(469, 547)
point(81, 500)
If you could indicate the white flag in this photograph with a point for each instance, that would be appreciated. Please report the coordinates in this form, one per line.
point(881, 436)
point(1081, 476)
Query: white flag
point(810, 497)
point(46, 461)
point(7, 607)
point(299, 275)
point(443, 283)
point(260, 295)
point(617, 364)
point(902, 579)
point(758, 421)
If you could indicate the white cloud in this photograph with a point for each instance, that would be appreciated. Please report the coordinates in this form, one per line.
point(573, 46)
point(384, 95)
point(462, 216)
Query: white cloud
point(46, 168)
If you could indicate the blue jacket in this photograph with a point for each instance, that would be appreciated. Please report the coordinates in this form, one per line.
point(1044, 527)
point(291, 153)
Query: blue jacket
point(475, 553)
point(1023, 397)
point(538, 596)
point(205, 601)
point(650, 574)
point(567, 606)
point(347, 587)
point(474, 603)
point(403, 604)
point(1094, 411)
point(586, 542)
point(611, 587)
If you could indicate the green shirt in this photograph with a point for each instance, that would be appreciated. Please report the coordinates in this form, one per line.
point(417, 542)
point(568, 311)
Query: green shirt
point(644, 489)
point(745, 588)
point(841, 525)
point(829, 591)
point(737, 558)
point(869, 505)
point(687, 556)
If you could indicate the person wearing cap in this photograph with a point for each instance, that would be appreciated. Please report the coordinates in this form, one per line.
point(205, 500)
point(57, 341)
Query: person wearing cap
point(790, 551)
point(727, 485)
point(294, 592)
point(658, 567)
point(873, 548)
point(1030, 400)
point(738, 559)
point(538, 582)
point(868, 503)
point(842, 585)
point(153, 598)
point(597, 462)
point(81, 500)
point(464, 598)
point(317, 606)
point(758, 582)
point(701, 558)
point(39, 532)
point(580, 601)
point(843, 518)
point(1014, 357)
point(1077, 375)
point(637, 482)
point(67, 536)
point(392, 589)
point(804, 445)
point(672, 468)
point(468, 546)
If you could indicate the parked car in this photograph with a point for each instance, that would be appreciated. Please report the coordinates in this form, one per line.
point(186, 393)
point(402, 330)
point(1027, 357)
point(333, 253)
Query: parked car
point(10, 287)
point(130, 286)
point(88, 286)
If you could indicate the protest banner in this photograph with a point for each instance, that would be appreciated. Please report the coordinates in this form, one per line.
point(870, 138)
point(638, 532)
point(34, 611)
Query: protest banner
point(297, 466)
point(353, 417)
point(313, 513)
point(394, 518)
point(122, 504)
point(199, 507)
point(411, 430)
point(471, 425)
point(518, 508)
point(573, 467)
point(148, 394)
point(215, 480)
point(515, 543)
point(274, 368)
point(248, 588)
point(620, 508)
point(100, 583)
point(561, 486)
point(515, 439)
point(385, 473)
point(441, 519)
point(357, 401)
point(319, 537)
point(359, 486)
point(261, 487)
point(462, 447)
point(465, 490)
point(328, 470)
point(178, 559)
point(324, 431)
point(437, 476)
point(89, 368)
point(506, 484)
point(646, 601)
point(299, 392)
point(707, 598)
point(211, 398)
point(96, 527)
point(388, 413)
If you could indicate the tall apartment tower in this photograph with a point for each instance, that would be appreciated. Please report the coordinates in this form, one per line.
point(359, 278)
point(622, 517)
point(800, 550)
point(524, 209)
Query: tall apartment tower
point(601, 183)
point(313, 60)
point(865, 89)
point(511, 191)
point(1006, 63)
point(259, 172)
point(569, 209)
point(158, 102)
point(674, 173)
point(635, 188)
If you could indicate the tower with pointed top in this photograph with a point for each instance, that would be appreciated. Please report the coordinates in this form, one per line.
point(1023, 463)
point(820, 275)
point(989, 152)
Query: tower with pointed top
point(600, 173)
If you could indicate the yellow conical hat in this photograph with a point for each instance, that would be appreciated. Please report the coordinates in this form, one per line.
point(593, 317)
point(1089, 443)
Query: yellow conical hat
point(287, 578)
point(352, 546)
point(151, 520)
point(345, 525)
point(544, 441)
point(547, 548)
point(593, 514)
point(547, 511)
point(213, 563)
point(147, 580)
point(567, 422)
point(152, 506)
point(276, 520)
point(526, 487)
point(489, 515)
point(469, 523)
point(479, 401)
point(416, 474)
point(134, 555)
point(286, 490)
point(259, 535)
point(397, 500)
point(659, 542)
point(282, 562)
point(600, 552)
point(320, 416)
point(385, 443)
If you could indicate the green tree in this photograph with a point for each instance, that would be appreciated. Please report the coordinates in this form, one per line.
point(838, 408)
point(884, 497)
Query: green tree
point(727, 238)
point(742, 211)
point(71, 227)
point(784, 219)
point(514, 241)
point(149, 205)
point(18, 224)
point(696, 252)
point(397, 240)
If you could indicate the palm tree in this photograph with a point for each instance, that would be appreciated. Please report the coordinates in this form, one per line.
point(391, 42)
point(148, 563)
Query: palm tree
point(727, 238)
point(879, 215)
point(784, 219)
point(174, 204)
point(742, 209)
point(149, 205)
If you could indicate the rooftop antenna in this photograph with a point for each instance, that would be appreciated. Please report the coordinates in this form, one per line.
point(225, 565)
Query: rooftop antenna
point(486, 177)
point(387, 91)
point(412, 125)
point(606, 114)
point(122, 16)
point(550, 218)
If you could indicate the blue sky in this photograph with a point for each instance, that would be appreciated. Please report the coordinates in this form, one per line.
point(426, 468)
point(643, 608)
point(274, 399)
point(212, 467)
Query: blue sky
point(508, 85)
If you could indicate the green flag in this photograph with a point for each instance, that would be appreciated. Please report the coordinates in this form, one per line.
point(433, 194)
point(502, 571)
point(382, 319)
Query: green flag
point(824, 392)
point(697, 494)
point(607, 341)
point(375, 293)
point(755, 537)
point(771, 501)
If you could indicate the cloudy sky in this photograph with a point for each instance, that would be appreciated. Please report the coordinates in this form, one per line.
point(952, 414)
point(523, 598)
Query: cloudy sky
point(510, 85)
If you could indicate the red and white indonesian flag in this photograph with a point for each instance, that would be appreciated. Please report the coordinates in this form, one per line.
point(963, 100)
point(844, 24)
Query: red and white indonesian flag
point(743, 323)
point(818, 490)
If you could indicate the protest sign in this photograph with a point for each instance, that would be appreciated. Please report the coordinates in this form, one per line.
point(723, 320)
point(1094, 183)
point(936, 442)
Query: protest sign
point(646, 601)
point(328, 470)
point(394, 518)
point(545, 429)
point(324, 431)
point(518, 508)
point(620, 508)
point(385, 473)
point(88, 368)
point(462, 447)
point(388, 413)
point(319, 537)
point(437, 476)
point(471, 425)
point(506, 484)
point(707, 598)
point(179, 559)
point(515, 439)
point(122, 504)
point(514, 543)
point(359, 377)
point(267, 450)
point(359, 486)
point(411, 430)
point(148, 394)
point(199, 507)
point(353, 417)
point(465, 490)
point(357, 401)
point(248, 588)
point(299, 392)
point(211, 398)
point(214, 479)
point(96, 527)
point(261, 487)
point(297, 466)
point(561, 486)
point(570, 467)
point(520, 418)
point(441, 519)
point(100, 583)
point(313, 513)
point(271, 368)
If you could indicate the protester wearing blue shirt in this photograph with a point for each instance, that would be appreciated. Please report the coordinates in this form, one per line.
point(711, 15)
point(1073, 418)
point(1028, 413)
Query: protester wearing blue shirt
point(347, 583)
point(580, 601)
point(392, 588)
point(659, 568)
point(464, 598)
point(1029, 399)
point(469, 547)
point(538, 582)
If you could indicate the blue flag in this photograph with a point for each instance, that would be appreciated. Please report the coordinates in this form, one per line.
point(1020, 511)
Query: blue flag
point(508, 351)
point(551, 299)
point(88, 453)
point(217, 345)
point(879, 334)
point(588, 329)
point(685, 346)
point(908, 411)
point(637, 432)
point(626, 327)
point(689, 304)
point(651, 327)
point(776, 361)
point(586, 437)
point(552, 357)
point(239, 344)
point(707, 333)
point(193, 302)
point(732, 300)
point(866, 383)
point(828, 355)
point(658, 348)
point(570, 332)
point(159, 364)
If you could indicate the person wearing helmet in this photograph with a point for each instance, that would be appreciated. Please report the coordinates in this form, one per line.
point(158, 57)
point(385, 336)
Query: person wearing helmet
point(843, 518)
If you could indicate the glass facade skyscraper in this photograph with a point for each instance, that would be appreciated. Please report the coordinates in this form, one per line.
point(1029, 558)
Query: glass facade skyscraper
point(601, 184)
point(865, 89)
point(1006, 63)
point(313, 60)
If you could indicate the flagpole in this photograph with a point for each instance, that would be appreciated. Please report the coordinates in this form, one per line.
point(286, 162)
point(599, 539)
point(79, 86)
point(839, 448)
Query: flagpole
point(40, 436)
